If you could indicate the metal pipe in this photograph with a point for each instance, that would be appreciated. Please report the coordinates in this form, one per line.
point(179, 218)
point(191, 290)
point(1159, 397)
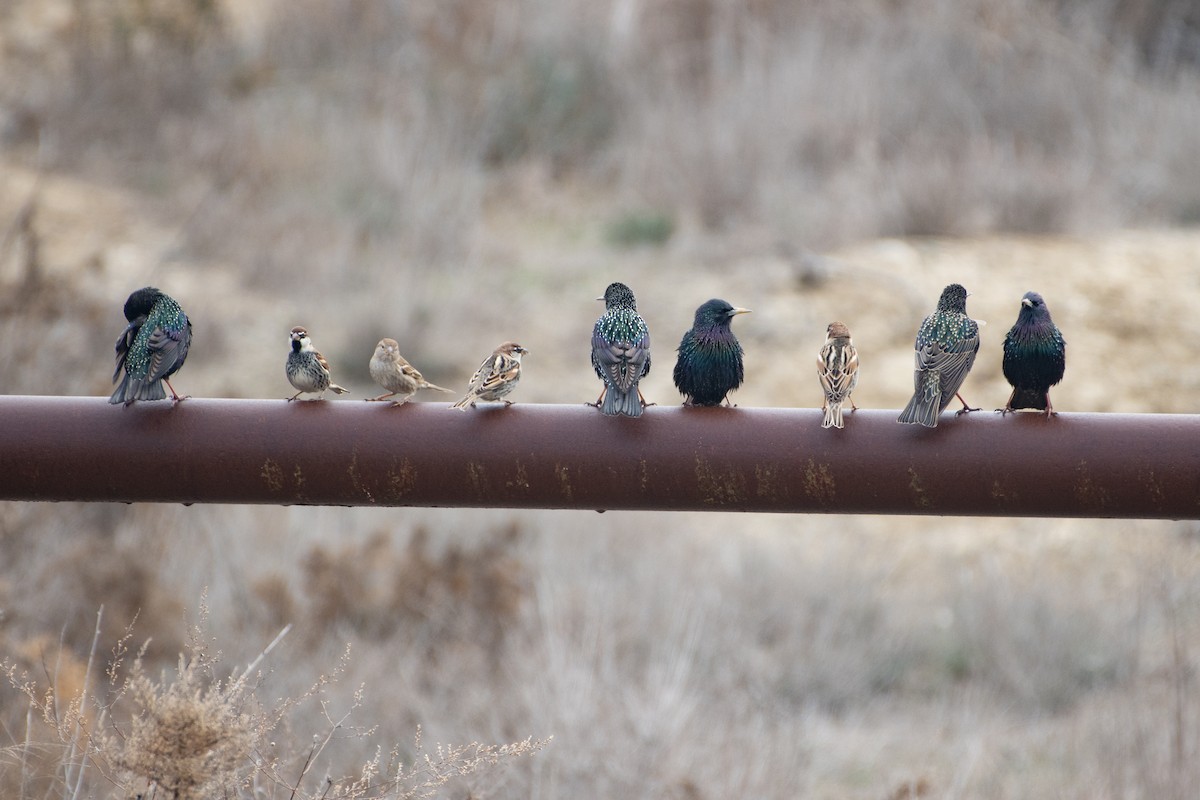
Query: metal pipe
point(556, 456)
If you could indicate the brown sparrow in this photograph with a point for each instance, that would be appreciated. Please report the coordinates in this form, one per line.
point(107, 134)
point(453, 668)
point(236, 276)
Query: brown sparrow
point(307, 370)
point(496, 376)
point(391, 371)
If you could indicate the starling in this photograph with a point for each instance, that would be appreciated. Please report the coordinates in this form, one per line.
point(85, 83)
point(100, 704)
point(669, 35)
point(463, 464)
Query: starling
point(945, 350)
point(496, 376)
point(1034, 356)
point(391, 371)
point(307, 370)
point(709, 366)
point(152, 347)
point(620, 352)
point(837, 367)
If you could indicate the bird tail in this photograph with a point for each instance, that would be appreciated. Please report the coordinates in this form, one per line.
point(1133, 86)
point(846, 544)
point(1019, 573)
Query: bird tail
point(435, 387)
point(1028, 398)
point(925, 405)
point(833, 416)
point(137, 389)
point(624, 403)
point(333, 387)
point(461, 405)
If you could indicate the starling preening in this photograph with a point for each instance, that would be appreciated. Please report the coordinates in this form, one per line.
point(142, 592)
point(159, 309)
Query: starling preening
point(152, 347)
point(709, 366)
point(496, 376)
point(307, 370)
point(837, 367)
point(620, 352)
point(945, 350)
point(391, 371)
point(1034, 356)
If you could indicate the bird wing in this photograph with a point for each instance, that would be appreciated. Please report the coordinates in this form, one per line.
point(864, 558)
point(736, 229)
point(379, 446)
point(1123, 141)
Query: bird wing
point(838, 368)
point(497, 370)
point(125, 341)
point(166, 349)
point(952, 363)
point(622, 363)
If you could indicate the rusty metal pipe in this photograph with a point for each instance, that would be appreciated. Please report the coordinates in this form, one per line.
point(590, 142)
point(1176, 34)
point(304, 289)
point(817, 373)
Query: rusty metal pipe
point(555, 456)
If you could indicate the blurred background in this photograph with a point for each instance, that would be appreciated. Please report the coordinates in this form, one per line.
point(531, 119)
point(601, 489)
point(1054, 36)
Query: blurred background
point(455, 173)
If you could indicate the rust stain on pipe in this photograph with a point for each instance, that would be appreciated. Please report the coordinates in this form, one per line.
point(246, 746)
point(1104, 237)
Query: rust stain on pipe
point(554, 456)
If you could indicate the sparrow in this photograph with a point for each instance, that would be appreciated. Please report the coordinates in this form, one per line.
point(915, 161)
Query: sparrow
point(152, 347)
point(620, 353)
point(837, 368)
point(1035, 356)
point(945, 350)
point(307, 370)
point(496, 376)
point(391, 371)
point(709, 365)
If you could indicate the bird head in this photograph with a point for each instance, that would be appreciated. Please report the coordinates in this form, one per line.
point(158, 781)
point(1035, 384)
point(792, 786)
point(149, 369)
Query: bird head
point(717, 313)
point(954, 298)
point(618, 295)
point(141, 302)
point(512, 349)
point(837, 330)
point(1033, 306)
point(299, 339)
point(387, 348)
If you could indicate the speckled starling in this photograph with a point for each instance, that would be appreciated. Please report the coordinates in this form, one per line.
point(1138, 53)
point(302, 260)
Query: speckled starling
point(393, 372)
point(837, 368)
point(1034, 356)
point(709, 365)
point(620, 352)
point(152, 347)
point(945, 350)
point(307, 370)
point(496, 377)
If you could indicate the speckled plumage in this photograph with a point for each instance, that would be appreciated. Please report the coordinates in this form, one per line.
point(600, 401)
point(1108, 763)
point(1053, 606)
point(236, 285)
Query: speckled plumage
point(307, 370)
point(620, 352)
point(945, 350)
point(709, 365)
point(496, 377)
point(837, 369)
point(1035, 356)
point(152, 347)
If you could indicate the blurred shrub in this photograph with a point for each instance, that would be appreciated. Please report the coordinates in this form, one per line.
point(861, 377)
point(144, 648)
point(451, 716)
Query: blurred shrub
point(634, 228)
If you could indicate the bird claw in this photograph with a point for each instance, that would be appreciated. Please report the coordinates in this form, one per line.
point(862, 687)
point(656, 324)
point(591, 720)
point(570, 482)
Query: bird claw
point(966, 410)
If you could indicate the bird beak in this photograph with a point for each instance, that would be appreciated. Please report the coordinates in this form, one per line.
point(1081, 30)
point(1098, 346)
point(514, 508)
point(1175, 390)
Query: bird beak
point(600, 299)
point(1025, 301)
point(737, 311)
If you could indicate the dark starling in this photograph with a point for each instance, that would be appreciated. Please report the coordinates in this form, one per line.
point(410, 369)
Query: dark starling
point(620, 352)
point(152, 347)
point(709, 366)
point(945, 350)
point(1034, 356)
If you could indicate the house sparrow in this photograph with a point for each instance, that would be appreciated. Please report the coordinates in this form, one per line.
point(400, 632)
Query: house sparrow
point(945, 350)
point(620, 353)
point(496, 376)
point(391, 371)
point(837, 367)
point(307, 370)
point(152, 347)
point(709, 365)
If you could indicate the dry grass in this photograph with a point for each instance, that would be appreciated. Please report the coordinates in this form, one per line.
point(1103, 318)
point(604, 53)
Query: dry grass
point(446, 172)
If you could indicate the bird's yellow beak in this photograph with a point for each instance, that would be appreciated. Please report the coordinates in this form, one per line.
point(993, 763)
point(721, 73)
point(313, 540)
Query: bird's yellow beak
point(1025, 301)
point(737, 311)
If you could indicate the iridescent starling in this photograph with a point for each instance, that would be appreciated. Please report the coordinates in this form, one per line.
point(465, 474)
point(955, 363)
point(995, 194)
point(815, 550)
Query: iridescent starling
point(620, 352)
point(837, 369)
point(709, 365)
point(1034, 356)
point(152, 347)
point(945, 350)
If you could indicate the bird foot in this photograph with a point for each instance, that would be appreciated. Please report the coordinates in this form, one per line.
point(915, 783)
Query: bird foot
point(593, 405)
point(508, 403)
point(966, 409)
point(377, 399)
point(1006, 411)
point(177, 399)
point(647, 405)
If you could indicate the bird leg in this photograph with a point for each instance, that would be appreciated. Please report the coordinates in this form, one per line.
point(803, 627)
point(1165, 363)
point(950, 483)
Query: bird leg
point(852, 406)
point(599, 399)
point(381, 397)
point(1008, 409)
point(293, 397)
point(175, 398)
point(643, 399)
point(1050, 412)
point(966, 409)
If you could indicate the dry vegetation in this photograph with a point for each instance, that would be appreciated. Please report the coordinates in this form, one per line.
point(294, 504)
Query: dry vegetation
point(409, 166)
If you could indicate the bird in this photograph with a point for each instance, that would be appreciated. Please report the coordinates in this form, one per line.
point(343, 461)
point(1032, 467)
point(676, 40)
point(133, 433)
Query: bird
point(1034, 357)
point(307, 370)
point(945, 350)
point(496, 377)
point(837, 368)
point(709, 365)
point(620, 353)
point(391, 371)
point(152, 347)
